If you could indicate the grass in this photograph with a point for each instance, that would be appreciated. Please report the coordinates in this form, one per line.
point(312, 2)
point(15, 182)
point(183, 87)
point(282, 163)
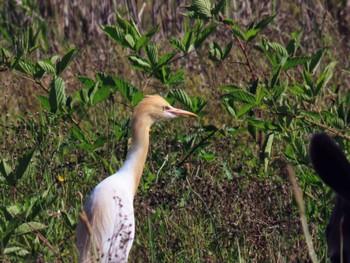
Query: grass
point(211, 203)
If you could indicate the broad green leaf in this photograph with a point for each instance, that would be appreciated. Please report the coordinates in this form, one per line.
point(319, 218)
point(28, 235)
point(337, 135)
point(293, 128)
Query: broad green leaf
point(267, 149)
point(176, 78)
point(152, 53)
point(315, 61)
point(19, 251)
point(307, 78)
point(44, 102)
point(165, 59)
point(140, 63)
point(101, 94)
point(143, 40)
point(136, 98)
point(229, 107)
point(199, 9)
point(251, 34)
point(25, 67)
point(115, 33)
point(129, 39)
point(181, 96)
point(92, 91)
point(203, 35)
point(264, 125)
point(65, 61)
point(198, 104)
point(87, 82)
point(237, 31)
point(227, 50)
point(128, 27)
point(220, 7)
point(324, 78)
point(46, 66)
point(178, 44)
point(244, 109)
point(5, 169)
point(275, 77)
point(57, 95)
point(264, 22)
point(277, 47)
point(29, 227)
point(294, 43)
point(242, 96)
point(293, 62)
point(78, 134)
point(23, 163)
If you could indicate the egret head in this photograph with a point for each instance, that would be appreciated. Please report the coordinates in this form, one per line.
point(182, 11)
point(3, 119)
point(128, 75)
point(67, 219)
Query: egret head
point(154, 108)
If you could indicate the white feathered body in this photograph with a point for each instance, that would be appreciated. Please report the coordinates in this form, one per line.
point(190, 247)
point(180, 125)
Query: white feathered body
point(110, 213)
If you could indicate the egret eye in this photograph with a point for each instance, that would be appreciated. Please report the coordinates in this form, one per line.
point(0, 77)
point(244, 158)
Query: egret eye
point(166, 108)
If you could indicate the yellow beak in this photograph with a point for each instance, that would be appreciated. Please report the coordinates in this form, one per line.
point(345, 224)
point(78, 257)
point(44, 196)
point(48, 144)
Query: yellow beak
point(183, 113)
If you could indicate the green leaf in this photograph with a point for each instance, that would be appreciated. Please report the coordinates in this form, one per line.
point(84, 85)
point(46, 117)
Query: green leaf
point(277, 47)
point(65, 61)
point(244, 109)
point(181, 96)
point(176, 78)
point(152, 53)
point(199, 9)
point(251, 34)
point(5, 169)
point(203, 35)
point(178, 44)
point(19, 251)
point(264, 22)
point(57, 95)
point(275, 77)
point(140, 63)
point(294, 43)
point(241, 95)
point(227, 50)
point(198, 104)
point(129, 39)
point(25, 67)
point(44, 102)
point(23, 163)
point(220, 7)
point(78, 134)
point(324, 78)
point(47, 66)
point(293, 62)
point(267, 149)
point(29, 227)
point(101, 94)
point(165, 59)
point(227, 171)
point(87, 82)
point(237, 31)
point(315, 61)
point(143, 40)
point(114, 33)
point(262, 124)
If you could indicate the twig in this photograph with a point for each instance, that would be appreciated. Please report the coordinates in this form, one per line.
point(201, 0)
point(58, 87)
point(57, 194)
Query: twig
point(299, 198)
point(331, 130)
point(46, 242)
point(195, 148)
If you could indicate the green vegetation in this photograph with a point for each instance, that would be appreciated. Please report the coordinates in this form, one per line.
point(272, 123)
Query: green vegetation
point(214, 189)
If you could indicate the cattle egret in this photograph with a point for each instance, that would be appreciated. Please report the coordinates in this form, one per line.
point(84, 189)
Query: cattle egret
point(105, 232)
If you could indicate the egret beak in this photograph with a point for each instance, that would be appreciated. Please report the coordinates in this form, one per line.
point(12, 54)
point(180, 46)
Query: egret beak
point(179, 112)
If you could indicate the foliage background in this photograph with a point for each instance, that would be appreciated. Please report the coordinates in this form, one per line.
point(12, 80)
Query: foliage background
point(214, 189)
